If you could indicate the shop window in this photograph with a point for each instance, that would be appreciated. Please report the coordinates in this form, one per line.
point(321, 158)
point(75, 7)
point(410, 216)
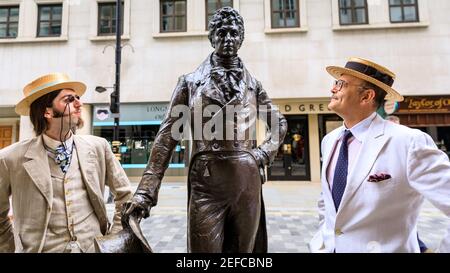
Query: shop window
point(173, 15)
point(292, 159)
point(285, 13)
point(403, 11)
point(49, 20)
point(9, 21)
point(353, 12)
point(212, 5)
point(136, 145)
point(107, 18)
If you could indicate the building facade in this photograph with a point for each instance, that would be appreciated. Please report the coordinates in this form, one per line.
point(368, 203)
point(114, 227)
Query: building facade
point(288, 44)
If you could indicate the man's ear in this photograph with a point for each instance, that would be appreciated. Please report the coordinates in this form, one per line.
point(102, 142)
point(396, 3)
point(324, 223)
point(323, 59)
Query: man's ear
point(368, 96)
point(48, 112)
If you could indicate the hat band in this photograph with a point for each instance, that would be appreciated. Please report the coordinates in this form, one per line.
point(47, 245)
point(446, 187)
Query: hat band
point(371, 72)
point(44, 86)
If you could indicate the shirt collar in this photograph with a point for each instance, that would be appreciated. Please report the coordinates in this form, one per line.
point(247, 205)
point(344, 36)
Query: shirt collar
point(359, 131)
point(53, 144)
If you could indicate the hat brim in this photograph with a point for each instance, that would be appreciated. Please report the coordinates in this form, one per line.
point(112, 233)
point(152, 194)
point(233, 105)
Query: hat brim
point(337, 72)
point(23, 107)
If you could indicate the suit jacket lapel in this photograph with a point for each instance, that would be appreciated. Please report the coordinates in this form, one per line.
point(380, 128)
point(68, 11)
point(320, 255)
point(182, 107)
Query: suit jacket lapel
point(87, 160)
point(38, 169)
point(370, 148)
point(330, 146)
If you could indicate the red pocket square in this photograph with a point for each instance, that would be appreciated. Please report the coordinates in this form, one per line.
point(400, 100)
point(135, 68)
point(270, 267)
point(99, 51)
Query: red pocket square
point(379, 177)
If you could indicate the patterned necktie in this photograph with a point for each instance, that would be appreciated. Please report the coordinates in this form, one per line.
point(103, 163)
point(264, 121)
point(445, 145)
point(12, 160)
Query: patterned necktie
point(63, 157)
point(341, 170)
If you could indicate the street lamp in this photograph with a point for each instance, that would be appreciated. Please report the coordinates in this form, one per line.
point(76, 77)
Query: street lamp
point(101, 89)
point(114, 110)
point(115, 95)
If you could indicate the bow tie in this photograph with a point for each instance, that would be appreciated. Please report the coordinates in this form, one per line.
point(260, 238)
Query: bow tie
point(228, 80)
point(219, 72)
point(63, 157)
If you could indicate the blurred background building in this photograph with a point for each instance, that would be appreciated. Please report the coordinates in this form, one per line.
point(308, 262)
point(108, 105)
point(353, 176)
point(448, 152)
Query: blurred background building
point(288, 44)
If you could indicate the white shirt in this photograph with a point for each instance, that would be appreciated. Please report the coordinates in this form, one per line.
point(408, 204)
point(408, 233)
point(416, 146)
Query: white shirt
point(359, 132)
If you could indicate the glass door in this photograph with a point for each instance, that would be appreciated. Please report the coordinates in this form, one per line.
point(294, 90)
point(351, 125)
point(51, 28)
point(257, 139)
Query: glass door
point(292, 160)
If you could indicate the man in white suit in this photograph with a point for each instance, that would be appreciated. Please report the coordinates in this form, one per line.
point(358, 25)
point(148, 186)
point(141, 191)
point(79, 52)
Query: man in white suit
point(375, 173)
point(57, 179)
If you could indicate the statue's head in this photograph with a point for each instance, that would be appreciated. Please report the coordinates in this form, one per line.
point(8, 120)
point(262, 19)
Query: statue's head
point(226, 32)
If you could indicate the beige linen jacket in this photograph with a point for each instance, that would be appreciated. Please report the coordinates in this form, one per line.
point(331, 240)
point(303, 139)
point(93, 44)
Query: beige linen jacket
point(25, 176)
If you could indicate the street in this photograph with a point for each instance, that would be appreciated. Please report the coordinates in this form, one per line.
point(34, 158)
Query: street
point(291, 217)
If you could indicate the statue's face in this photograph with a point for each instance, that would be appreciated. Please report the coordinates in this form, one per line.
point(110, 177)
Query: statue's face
point(227, 40)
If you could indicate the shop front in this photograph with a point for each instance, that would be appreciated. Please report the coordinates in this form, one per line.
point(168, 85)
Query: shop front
point(139, 124)
point(9, 126)
point(298, 158)
point(430, 114)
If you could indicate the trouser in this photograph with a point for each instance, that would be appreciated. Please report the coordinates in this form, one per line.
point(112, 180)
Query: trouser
point(224, 202)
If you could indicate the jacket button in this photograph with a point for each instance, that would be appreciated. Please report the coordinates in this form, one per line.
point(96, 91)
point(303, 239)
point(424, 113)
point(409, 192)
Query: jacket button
point(216, 145)
point(338, 232)
point(236, 144)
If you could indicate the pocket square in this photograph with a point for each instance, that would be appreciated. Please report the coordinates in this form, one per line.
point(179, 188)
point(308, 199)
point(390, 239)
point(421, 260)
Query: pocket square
point(379, 177)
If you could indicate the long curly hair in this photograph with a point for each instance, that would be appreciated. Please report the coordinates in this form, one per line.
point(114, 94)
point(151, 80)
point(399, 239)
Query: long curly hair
point(223, 16)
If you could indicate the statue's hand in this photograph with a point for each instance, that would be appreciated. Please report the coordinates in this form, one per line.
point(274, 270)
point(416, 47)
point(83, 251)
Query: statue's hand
point(260, 157)
point(139, 206)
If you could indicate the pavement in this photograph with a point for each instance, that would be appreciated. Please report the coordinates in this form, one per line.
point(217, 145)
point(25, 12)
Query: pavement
point(291, 218)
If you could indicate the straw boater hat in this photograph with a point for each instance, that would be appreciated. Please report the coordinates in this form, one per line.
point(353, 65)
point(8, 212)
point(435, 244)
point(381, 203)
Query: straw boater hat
point(371, 72)
point(44, 85)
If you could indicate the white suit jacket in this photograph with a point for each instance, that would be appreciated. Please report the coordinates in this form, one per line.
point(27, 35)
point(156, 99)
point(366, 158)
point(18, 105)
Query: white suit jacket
point(382, 216)
point(25, 175)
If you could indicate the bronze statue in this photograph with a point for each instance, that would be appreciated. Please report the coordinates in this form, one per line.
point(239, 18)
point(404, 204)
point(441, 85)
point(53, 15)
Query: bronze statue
point(226, 172)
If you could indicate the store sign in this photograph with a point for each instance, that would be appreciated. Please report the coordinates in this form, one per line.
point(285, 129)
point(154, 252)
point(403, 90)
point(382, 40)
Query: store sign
point(129, 113)
point(425, 104)
point(304, 108)
point(102, 113)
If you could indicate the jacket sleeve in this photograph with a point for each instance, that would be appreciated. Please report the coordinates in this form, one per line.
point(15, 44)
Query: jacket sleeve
point(276, 126)
point(317, 243)
point(429, 173)
point(165, 143)
point(6, 229)
point(118, 183)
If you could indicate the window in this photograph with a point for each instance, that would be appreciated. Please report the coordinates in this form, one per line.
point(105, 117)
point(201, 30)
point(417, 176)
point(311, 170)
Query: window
point(353, 12)
point(107, 19)
point(402, 11)
point(49, 20)
point(173, 15)
point(285, 13)
point(213, 5)
point(9, 21)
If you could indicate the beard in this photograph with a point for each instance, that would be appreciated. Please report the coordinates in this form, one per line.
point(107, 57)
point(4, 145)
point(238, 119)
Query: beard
point(74, 125)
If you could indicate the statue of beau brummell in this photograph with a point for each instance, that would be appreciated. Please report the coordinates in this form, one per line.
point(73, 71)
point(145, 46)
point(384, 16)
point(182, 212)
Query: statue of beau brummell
point(217, 106)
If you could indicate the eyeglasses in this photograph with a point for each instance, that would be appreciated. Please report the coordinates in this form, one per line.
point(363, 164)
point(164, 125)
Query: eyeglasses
point(338, 84)
point(71, 98)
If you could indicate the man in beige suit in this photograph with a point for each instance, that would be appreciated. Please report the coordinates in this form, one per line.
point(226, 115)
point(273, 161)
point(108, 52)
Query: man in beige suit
point(57, 179)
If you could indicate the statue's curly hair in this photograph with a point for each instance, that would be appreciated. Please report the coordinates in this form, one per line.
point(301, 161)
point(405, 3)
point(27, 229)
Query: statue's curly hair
point(225, 15)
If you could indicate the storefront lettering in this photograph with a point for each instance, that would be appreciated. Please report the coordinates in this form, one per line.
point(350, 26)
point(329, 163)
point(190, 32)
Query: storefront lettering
point(157, 108)
point(306, 108)
point(428, 104)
